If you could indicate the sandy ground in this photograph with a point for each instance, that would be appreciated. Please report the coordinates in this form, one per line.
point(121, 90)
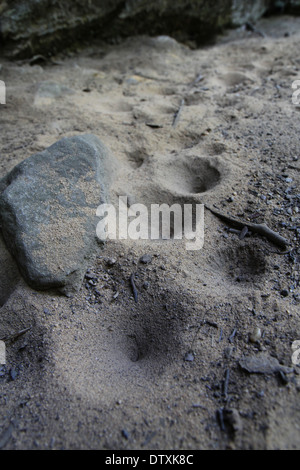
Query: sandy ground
point(101, 371)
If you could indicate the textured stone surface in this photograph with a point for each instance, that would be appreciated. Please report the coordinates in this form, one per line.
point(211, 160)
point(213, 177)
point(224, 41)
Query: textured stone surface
point(48, 210)
point(31, 27)
point(263, 364)
point(9, 273)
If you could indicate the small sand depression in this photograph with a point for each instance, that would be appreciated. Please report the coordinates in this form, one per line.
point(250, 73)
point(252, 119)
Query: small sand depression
point(238, 262)
point(193, 175)
point(135, 345)
point(136, 158)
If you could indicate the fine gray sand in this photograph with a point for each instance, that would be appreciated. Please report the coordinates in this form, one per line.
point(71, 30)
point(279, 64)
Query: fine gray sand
point(98, 370)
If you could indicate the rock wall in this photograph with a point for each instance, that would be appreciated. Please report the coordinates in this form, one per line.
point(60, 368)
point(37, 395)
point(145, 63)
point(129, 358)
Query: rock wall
point(294, 6)
point(30, 27)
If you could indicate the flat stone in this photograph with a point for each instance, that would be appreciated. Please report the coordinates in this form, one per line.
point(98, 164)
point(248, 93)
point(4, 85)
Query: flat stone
point(146, 259)
point(48, 210)
point(263, 364)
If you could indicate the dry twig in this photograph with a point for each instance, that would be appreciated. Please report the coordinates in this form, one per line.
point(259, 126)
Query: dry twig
point(261, 229)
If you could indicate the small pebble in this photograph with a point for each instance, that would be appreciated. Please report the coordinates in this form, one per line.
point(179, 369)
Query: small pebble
point(125, 434)
point(13, 374)
point(111, 261)
point(189, 357)
point(255, 336)
point(228, 352)
point(284, 293)
point(234, 420)
point(146, 259)
point(90, 275)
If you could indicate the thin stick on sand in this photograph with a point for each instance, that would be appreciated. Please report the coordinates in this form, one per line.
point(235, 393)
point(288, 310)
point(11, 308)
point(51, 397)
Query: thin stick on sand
point(134, 289)
point(178, 113)
point(16, 335)
point(261, 229)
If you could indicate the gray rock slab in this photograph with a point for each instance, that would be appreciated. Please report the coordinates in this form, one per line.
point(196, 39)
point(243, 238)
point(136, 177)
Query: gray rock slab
point(9, 273)
point(48, 208)
point(263, 364)
point(30, 27)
